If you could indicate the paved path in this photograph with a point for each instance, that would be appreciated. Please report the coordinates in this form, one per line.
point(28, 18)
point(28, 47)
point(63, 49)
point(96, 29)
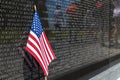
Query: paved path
point(112, 73)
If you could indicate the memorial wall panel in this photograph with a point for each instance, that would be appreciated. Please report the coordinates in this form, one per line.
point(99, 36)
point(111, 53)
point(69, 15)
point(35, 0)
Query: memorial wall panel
point(78, 30)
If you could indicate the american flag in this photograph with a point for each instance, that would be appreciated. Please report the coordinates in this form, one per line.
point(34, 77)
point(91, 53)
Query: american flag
point(38, 45)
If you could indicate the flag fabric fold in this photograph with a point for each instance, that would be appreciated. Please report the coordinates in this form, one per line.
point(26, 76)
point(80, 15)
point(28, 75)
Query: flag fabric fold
point(38, 45)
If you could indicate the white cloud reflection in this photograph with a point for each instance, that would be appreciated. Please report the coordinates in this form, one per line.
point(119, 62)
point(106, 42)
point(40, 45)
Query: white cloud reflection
point(116, 12)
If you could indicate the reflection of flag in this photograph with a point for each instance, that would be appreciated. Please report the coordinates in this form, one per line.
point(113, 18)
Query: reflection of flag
point(38, 45)
point(28, 59)
point(99, 4)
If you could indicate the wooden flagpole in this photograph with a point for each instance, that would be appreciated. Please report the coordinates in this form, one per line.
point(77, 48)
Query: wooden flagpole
point(36, 10)
point(45, 77)
point(35, 7)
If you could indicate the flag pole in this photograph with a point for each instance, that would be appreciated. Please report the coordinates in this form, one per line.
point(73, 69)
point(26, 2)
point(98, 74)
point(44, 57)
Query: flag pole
point(35, 8)
point(45, 77)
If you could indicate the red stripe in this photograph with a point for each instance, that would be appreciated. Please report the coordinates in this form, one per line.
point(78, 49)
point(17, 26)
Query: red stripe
point(43, 45)
point(41, 48)
point(32, 44)
point(43, 53)
point(42, 42)
point(46, 48)
point(49, 45)
point(32, 53)
point(34, 39)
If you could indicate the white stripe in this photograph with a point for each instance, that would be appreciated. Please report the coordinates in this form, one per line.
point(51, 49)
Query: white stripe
point(35, 52)
point(45, 49)
point(30, 39)
point(48, 47)
point(38, 42)
point(43, 52)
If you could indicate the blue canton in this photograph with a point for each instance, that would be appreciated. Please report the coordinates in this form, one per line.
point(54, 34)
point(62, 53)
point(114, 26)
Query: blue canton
point(36, 25)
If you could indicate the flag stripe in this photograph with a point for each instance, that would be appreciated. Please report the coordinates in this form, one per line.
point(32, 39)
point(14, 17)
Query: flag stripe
point(38, 49)
point(38, 60)
point(44, 46)
point(41, 46)
point(33, 36)
point(48, 55)
point(37, 57)
point(33, 46)
point(48, 46)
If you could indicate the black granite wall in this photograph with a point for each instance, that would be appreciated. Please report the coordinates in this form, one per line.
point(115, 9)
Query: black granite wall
point(75, 45)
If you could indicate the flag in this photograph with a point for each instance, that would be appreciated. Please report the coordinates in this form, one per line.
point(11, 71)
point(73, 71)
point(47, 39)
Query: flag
point(38, 45)
point(99, 4)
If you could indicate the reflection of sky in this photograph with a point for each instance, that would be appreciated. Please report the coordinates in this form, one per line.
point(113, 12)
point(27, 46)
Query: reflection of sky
point(116, 12)
point(117, 8)
point(51, 6)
